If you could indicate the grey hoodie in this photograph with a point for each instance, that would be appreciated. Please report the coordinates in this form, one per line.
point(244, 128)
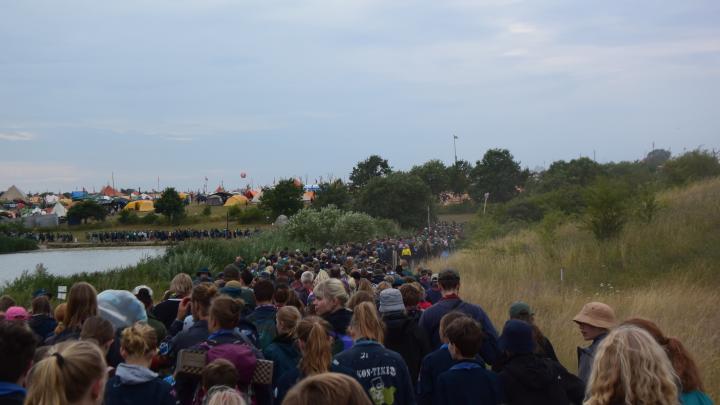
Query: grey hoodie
point(133, 374)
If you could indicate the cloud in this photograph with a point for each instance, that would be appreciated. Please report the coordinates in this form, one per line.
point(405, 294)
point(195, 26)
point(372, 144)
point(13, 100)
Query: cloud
point(178, 138)
point(16, 136)
point(40, 175)
point(521, 28)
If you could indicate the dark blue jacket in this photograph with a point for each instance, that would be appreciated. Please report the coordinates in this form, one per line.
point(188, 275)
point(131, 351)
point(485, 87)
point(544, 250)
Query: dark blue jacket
point(467, 383)
point(11, 394)
point(430, 321)
point(433, 365)
point(197, 333)
point(284, 354)
point(263, 317)
point(382, 372)
point(293, 376)
point(137, 387)
point(43, 325)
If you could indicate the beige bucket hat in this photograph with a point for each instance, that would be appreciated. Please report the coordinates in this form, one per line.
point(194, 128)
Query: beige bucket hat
point(596, 314)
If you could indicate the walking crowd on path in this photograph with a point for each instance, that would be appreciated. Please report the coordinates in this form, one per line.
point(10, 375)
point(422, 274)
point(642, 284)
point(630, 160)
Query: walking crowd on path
point(351, 324)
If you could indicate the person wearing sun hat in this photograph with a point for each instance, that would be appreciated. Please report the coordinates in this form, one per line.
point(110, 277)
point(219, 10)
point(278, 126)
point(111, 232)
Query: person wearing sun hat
point(595, 320)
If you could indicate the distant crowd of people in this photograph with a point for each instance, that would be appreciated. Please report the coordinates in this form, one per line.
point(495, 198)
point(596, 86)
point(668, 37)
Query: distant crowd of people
point(337, 325)
point(43, 237)
point(176, 235)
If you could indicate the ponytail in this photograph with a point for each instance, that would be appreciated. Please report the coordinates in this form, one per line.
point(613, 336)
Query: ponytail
point(66, 375)
point(366, 323)
point(314, 332)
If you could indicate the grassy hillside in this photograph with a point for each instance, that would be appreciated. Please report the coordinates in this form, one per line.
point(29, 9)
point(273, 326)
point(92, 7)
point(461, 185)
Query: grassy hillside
point(667, 271)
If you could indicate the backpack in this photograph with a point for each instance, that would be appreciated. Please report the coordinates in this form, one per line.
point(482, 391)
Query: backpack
point(266, 330)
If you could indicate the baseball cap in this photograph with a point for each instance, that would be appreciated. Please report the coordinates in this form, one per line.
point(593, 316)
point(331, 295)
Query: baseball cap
point(17, 314)
point(520, 308)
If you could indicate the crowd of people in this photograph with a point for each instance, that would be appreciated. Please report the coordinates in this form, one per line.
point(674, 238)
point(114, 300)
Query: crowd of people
point(43, 237)
point(176, 235)
point(338, 325)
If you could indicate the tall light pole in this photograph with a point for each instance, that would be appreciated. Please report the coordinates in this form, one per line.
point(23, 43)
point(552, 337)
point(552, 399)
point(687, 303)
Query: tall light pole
point(455, 148)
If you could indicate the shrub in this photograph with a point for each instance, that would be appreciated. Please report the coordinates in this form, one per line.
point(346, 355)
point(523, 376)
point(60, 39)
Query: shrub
point(233, 212)
point(253, 215)
point(128, 217)
point(333, 225)
point(691, 166)
point(206, 211)
point(149, 219)
point(10, 245)
point(606, 212)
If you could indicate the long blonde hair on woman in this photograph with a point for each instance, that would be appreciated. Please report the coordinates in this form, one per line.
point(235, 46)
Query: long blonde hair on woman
point(315, 332)
point(631, 368)
point(366, 324)
point(67, 374)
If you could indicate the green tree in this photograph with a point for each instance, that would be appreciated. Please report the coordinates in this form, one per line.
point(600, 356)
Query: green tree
point(84, 210)
point(577, 172)
point(607, 208)
point(170, 205)
point(691, 166)
point(434, 174)
point(656, 158)
point(459, 176)
point(498, 174)
point(284, 199)
point(335, 193)
point(364, 171)
point(399, 196)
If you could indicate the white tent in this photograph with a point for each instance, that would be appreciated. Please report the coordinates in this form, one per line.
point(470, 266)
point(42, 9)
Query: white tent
point(51, 199)
point(59, 210)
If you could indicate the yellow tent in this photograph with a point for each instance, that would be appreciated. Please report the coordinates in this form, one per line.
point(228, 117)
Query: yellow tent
point(235, 200)
point(66, 202)
point(140, 206)
point(182, 195)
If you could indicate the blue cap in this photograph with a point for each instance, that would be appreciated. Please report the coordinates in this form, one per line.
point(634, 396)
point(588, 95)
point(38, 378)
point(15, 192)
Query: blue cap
point(517, 337)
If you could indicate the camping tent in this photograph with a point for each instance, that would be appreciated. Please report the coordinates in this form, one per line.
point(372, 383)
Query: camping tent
point(257, 197)
point(13, 194)
point(51, 199)
point(109, 191)
point(66, 202)
point(238, 199)
point(214, 200)
point(140, 206)
point(59, 210)
point(308, 197)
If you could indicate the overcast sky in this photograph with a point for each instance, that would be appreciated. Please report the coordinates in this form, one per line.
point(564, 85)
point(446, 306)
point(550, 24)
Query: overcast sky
point(184, 89)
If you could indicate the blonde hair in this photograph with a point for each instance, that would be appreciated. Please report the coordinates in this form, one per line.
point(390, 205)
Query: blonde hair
point(287, 319)
point(139, 340)
point(320, 277)
point(332, 289)
point(366, 323)
point(181, 285)
point(327, 389)
point(315, 333)
point(224, 395)
point(81, 304)
point(630, 368)
point(67, 374)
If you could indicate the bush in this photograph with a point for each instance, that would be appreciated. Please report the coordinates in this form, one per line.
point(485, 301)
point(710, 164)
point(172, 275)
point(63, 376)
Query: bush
point(233, 212)
point(332, 225)
point(127, 217)
point(606, 212)
point(10, 245)
point(149, 219)
point(691, 166)
point(206, 211)
point(253, 215)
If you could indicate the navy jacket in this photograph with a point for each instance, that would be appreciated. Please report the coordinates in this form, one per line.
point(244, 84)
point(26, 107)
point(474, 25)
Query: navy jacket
point(11, 394)
point(430, 321)
point(293, 376)
point(284, 354)
point(467, 383)
point(528, 379)
point(263, 317)
point(43, 325)
point(137, 387)
point(382, 372)
point(433, 365)
point(197, 333)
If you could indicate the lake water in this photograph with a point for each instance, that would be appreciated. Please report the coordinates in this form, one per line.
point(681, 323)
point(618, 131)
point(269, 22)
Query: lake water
point(69, 261)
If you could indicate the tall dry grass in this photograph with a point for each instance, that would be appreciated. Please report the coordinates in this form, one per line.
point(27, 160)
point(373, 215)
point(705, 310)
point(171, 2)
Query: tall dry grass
point(666, 271)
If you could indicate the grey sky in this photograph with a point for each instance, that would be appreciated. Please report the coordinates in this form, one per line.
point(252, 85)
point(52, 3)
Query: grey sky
point(184, 89)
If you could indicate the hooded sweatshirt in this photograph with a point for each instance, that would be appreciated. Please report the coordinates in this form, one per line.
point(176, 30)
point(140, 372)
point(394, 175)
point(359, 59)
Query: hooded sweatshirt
point(529, 379)
point(137, 385)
